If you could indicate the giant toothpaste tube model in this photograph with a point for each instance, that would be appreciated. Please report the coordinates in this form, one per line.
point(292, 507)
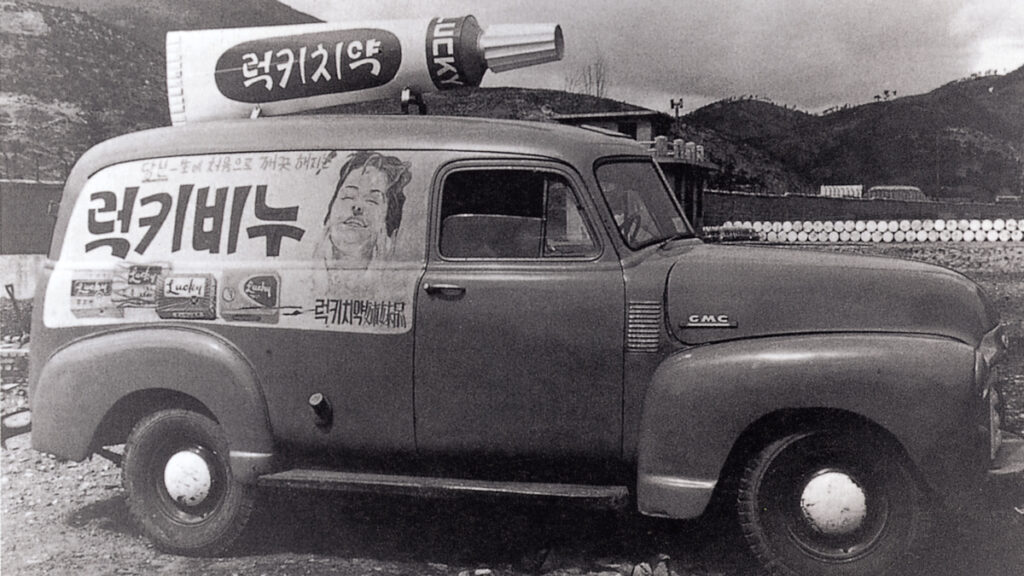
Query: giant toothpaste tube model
point(229, 73)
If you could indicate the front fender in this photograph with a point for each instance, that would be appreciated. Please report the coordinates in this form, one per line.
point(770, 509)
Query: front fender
point(702, 399)
point(79, 384)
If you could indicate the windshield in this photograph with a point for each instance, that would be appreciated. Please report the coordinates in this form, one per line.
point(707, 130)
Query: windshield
point(641, 203)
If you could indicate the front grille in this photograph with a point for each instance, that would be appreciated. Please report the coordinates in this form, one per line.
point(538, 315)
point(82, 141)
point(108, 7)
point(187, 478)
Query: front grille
point(643, 327)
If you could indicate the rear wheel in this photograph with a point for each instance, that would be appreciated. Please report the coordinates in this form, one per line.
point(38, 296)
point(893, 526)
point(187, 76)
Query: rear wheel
point(179, 485)
point(827, 502)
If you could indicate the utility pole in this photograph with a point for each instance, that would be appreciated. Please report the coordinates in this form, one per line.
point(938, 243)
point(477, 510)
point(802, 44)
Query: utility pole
point(677, 106)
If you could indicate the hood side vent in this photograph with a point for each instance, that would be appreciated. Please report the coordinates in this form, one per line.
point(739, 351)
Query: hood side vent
point(643, 326)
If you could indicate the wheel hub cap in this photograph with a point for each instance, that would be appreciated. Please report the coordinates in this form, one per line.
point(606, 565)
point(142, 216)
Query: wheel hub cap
point(187, 478)
point(833, 503)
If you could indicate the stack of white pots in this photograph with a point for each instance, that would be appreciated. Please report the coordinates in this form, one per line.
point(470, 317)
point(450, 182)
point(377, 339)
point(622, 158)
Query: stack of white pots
point(832, 231)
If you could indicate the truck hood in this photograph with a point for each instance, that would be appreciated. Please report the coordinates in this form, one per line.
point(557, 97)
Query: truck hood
point(717, 293)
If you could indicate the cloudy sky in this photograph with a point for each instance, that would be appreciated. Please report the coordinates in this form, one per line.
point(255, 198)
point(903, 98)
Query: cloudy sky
point(809, 53)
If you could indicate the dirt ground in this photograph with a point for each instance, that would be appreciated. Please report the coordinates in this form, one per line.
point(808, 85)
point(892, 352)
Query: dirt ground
point(71, 518)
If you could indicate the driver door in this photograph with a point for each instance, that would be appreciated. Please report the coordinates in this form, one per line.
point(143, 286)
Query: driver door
point(519, 321)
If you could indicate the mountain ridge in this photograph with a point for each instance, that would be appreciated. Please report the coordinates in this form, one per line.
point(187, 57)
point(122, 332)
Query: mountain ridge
point(961, 140)
point(80, 71)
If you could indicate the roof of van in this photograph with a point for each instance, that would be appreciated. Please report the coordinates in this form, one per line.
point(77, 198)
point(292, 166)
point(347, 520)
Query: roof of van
point(343, 132)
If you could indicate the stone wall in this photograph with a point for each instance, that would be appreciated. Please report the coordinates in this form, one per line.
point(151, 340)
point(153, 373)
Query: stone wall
point(721, 207)
point(25, 227)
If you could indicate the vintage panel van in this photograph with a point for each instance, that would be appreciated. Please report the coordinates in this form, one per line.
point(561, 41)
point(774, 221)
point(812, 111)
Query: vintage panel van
point(443, 305)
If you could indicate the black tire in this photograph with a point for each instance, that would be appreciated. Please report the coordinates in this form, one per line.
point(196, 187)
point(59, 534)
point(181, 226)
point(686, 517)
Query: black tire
point(795, 519)
point(205, 520)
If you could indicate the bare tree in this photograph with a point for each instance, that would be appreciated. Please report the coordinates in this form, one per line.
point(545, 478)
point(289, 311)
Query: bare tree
point(589, 79)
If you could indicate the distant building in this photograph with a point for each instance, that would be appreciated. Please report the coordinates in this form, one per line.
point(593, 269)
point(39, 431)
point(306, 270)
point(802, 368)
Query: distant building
point(903, 193)
point(844, 191)
point(642, 125)
point(684, 163)
point(687, 169)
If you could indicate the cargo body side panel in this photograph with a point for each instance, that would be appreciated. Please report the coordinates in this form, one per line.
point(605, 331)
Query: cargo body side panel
point(84, 380)
point(366, 379)
point(369, 386)
point(238, 258)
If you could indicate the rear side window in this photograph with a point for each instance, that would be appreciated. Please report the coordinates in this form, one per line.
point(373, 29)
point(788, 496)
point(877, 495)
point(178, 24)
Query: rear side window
point(512, 214)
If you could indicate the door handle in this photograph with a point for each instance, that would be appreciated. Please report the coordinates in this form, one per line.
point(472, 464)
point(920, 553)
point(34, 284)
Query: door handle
point(447, 290)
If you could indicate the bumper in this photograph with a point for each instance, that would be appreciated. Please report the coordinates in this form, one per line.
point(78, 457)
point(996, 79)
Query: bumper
point(976, 448)
point(960, 465)
point(956, 468)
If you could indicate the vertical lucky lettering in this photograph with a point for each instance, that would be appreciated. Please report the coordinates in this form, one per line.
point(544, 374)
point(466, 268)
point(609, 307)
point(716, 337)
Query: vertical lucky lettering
point(444, 43)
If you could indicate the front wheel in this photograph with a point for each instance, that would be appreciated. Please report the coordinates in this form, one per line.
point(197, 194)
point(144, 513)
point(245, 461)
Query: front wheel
point(830, 503)
point(179, 486)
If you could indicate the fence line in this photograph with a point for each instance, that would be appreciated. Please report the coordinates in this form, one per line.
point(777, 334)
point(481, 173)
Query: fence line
point(837, 231)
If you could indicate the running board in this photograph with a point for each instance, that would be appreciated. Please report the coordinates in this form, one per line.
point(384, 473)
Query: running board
point(611, 497)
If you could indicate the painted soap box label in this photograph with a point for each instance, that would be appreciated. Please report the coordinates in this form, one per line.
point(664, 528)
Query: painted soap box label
point(251, 297)
point(187, 297)
point(92, 298)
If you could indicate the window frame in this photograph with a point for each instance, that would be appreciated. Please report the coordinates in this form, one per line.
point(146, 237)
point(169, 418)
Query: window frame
point(576, 188)
point(689, 232)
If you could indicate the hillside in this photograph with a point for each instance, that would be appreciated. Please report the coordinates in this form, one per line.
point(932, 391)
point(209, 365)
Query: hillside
point(71, 79)
point(504, 103)
point(964, 139)
point(147, 21)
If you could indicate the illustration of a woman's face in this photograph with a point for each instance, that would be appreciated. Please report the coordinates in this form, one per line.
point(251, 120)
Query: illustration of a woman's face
point(357, 222)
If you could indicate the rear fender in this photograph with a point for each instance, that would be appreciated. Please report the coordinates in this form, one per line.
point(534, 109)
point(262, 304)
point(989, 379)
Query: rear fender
point(701, 400)
point(79, 385)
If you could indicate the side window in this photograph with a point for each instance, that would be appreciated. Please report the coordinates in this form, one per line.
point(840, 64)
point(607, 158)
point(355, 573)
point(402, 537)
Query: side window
point(512, 214)
point(566, 232)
